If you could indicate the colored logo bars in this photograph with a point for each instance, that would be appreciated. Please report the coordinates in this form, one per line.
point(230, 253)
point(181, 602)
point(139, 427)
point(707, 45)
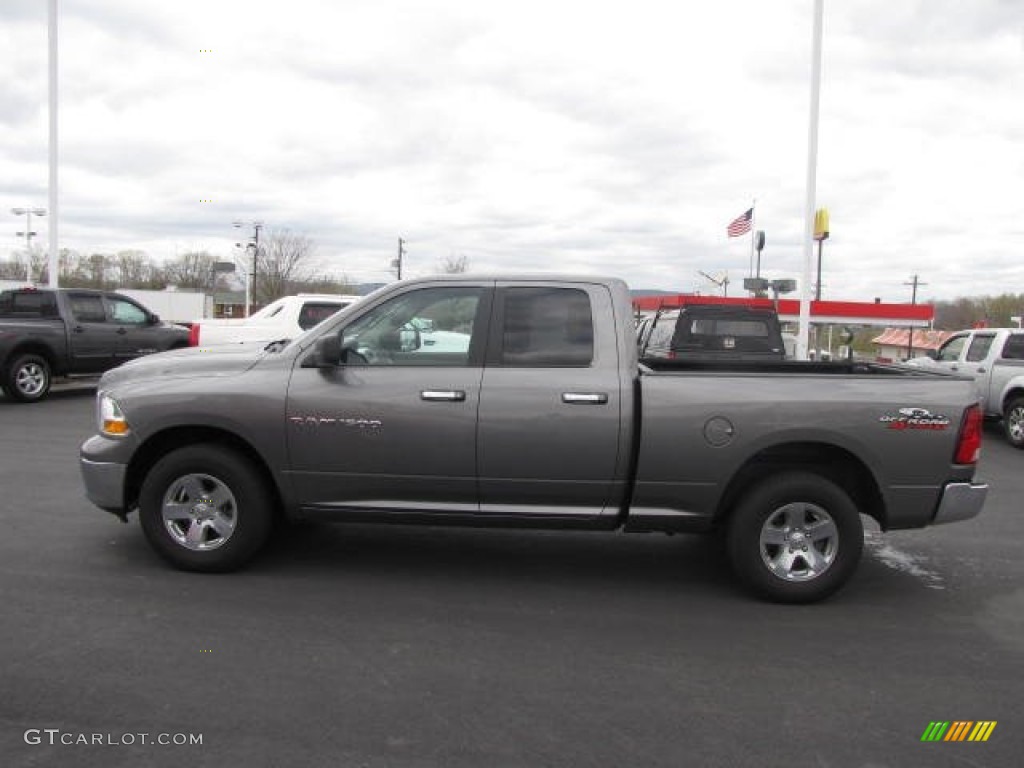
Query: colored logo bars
point(959, 730)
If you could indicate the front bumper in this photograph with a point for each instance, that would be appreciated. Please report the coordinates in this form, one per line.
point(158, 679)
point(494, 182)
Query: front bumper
point(104, 462)
point(104, 484)
point(960, 501)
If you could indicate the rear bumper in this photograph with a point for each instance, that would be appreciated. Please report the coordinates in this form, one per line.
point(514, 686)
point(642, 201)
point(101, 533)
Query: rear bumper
point(960, 501)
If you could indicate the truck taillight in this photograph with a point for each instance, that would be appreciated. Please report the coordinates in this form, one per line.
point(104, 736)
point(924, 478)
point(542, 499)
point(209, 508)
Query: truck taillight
point(968, 447)
point(193, 335)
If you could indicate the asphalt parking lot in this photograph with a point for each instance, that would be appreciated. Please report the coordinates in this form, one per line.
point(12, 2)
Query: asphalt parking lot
point(364, 646)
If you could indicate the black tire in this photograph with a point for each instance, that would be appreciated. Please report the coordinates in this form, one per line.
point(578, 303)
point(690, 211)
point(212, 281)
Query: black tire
point(28, 378)
point(795, 538)
point(1013, 422)
point(222, 507)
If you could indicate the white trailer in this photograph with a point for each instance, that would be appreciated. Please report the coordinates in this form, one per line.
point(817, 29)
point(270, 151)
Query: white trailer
point(182, 307)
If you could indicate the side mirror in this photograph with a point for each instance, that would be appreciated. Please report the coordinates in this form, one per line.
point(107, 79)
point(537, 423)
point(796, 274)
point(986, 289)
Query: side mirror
point(153, 319)
point(933, 354)
point(326, 352)
point(411, 339)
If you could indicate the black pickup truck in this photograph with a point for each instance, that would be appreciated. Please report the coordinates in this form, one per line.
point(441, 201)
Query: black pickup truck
point(712, 332)
point(48, 333)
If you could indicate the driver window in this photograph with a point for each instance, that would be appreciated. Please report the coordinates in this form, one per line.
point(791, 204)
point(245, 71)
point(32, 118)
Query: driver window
point(979, 348)
point(432, 326)
point(126, 313)
point(950, 351)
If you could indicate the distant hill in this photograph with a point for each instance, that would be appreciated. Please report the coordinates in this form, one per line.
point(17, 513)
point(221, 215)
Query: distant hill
point(364, 288)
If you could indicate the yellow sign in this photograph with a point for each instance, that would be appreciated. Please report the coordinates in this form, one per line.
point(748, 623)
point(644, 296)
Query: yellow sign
point(821, 224)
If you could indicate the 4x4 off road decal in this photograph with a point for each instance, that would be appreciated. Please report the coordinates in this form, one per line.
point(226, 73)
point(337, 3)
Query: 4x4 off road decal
point(915, 418)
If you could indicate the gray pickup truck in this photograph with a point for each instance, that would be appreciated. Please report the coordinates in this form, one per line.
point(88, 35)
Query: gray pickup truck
point(535, 412)
point(74, 332)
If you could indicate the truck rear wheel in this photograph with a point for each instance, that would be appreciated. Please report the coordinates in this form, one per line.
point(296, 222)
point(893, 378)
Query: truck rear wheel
point(28, 378)
point(795, 538)
point(205, 508)
point(1013, 422)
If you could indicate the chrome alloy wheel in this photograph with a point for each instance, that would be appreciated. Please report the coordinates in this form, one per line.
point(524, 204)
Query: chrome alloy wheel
point(1015, 423)
point(199, 512)
point(30, 379)
point(799, 542)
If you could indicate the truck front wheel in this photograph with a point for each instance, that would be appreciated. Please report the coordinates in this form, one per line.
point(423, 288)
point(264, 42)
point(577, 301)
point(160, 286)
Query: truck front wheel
point(205, 508)
point(28, 378)
point(1013, 422)
point(795, 538)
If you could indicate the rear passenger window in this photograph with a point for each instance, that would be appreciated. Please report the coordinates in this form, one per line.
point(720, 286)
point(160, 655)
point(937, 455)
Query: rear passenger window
point(1014, 347)
point(979, 348)
point(88, 309)
point(547, 327)
point(313, 313)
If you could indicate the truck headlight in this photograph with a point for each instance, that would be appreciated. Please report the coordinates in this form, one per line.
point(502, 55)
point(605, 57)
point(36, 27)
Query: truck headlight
point(111, 418)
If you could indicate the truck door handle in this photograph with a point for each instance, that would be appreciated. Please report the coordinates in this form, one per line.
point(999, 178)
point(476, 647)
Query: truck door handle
point(584, 398)
point(982, 369)
point(122, 331)
point(443, 395)
point(79, 329)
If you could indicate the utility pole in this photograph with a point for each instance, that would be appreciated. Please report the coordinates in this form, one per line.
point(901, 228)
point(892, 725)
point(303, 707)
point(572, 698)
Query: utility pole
point(915, 282)
point(397, 263)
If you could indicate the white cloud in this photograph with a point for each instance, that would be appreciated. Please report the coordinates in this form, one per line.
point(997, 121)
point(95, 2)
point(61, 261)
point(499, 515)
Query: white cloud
point(603, 137)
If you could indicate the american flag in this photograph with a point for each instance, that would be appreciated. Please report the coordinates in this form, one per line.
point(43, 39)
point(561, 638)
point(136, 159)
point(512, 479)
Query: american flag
point(741, 224)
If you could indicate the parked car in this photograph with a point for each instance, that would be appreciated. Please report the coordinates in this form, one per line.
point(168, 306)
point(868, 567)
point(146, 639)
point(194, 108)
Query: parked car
point(545, 419)
point(994, 358)
point(47, 333)
point(285, 318)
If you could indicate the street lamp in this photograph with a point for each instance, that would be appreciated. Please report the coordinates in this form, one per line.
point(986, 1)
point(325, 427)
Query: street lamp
point(254, 244)
point(28, 234)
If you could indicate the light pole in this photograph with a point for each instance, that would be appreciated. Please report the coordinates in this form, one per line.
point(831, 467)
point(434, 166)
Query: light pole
point(28, 234)
point(254, 244)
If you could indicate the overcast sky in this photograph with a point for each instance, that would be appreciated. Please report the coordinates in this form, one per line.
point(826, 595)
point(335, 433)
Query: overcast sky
point(593, 137)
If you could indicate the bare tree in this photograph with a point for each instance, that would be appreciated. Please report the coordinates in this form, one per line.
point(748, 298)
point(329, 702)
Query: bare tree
point(455, 265)
point(73, 269)
point(282, 262)
point(95, 270)
point(23, 264)
point(134, 269)
point(324, 284)
point(12, 269)
point(192, 271)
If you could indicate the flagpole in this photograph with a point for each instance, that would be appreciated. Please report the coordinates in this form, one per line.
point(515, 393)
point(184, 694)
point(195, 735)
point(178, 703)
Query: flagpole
point(812, 167)
point(53, 244)
point(753, 234)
